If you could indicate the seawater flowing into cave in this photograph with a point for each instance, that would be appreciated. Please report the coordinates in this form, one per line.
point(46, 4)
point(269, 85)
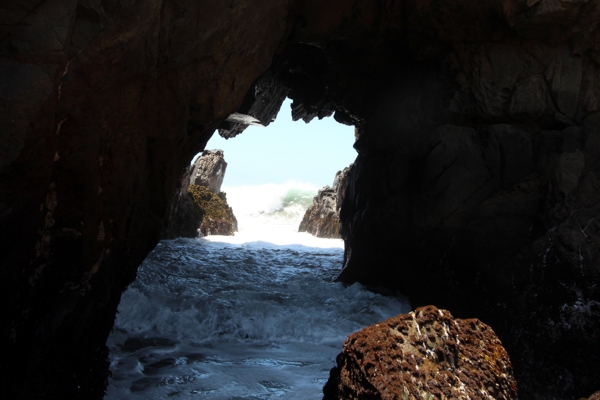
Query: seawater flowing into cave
point(252, 316)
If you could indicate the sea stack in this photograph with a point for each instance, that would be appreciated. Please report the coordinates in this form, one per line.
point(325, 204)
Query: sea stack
point(209, 170)
point(322, 218)
point(199, 206)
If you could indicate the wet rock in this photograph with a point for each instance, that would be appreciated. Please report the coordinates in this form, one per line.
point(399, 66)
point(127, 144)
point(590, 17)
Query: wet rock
point(217, 216)
point(322, 218)
point(421, 355)
point(197, 211)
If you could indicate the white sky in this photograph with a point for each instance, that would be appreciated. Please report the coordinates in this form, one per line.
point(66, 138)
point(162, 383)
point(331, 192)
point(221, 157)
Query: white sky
point(287, 151)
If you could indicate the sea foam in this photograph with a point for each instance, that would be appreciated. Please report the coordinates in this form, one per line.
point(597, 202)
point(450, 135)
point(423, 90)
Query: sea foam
point(257, 315)
point(270, 198)
point(271, 213)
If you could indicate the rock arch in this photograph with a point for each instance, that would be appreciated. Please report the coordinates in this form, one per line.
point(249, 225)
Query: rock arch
point(476, 187)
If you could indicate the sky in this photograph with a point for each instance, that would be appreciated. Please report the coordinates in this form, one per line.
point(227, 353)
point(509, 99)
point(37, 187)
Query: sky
point(287, 151)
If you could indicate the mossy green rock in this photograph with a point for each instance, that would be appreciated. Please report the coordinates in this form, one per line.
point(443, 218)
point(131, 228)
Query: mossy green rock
point(218, 218)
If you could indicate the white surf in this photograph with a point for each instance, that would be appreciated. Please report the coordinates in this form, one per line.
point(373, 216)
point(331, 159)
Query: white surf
point(251, 316)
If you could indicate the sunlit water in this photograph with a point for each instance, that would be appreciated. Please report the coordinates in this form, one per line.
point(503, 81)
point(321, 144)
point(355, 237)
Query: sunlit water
point(254, 316)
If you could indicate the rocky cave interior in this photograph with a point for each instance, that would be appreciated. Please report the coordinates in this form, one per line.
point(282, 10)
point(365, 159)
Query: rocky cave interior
point(476, 187)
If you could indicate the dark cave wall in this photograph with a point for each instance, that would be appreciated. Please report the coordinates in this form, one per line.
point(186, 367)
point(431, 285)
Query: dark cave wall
point(103, 104)
point(496, 221)
point(475, 187)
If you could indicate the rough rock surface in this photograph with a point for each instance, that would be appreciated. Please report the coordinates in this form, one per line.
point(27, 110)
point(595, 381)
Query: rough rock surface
point(209, 170)
point(322, 218)
point(187, 215)
point(426, 354)
point(476, 188)
point(595, 396)
point(217, 216)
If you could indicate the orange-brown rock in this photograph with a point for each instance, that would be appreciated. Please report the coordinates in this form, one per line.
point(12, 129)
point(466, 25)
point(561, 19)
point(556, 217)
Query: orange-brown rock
point(595, 396)
point(426, 354)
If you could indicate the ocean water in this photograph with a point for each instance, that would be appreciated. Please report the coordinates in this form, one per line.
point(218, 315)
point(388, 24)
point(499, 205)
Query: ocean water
point(253, 316)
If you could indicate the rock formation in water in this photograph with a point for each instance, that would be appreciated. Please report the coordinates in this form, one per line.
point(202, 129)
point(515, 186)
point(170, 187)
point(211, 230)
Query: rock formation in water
point(217, 216)
point(209, 170)
point(322, 218)
point(476, 186)
point(426, 354)
point(199, 206)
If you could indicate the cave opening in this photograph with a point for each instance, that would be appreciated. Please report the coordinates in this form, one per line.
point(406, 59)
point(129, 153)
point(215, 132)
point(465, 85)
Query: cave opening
point(274, 172)
point(476, 186)
point(258, 313)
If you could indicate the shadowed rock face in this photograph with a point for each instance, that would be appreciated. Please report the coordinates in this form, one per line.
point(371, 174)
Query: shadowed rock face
point(476, 187)
point(322, 218)
point(102, 106)
point(426, 354)
point(185, 216)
